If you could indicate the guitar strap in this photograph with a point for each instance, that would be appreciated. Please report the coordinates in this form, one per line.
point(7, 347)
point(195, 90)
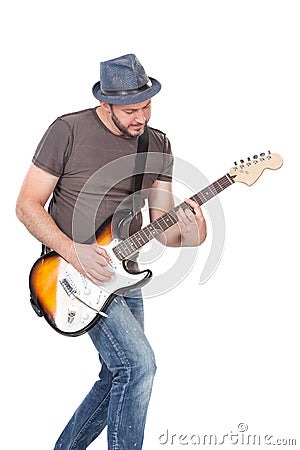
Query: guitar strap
point(139, 168)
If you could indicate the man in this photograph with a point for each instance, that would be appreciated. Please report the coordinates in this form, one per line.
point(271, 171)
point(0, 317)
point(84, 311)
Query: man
point(73, 151)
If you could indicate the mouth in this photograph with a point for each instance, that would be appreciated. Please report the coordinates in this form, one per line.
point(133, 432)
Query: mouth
point(137, 128)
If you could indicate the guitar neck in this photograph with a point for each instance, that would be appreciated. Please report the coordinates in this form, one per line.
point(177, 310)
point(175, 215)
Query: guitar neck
point(133, 243)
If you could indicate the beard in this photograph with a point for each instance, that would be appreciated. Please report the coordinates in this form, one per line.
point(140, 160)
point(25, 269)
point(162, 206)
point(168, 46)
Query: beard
point(124, 130)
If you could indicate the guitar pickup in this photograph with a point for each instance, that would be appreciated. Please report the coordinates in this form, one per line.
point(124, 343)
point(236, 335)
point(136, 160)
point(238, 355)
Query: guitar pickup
point(68, 288)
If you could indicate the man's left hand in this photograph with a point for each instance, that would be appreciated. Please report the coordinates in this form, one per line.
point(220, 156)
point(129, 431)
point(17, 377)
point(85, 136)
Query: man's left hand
point(192, 225)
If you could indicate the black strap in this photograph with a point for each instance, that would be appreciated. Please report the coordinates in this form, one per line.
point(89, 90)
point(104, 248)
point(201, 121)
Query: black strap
point(139, 168)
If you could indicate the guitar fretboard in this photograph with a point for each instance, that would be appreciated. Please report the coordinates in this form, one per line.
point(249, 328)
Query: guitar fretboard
point(133, 243)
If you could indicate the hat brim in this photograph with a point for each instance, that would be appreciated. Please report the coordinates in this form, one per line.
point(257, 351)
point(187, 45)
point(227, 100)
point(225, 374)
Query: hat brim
point(127, 99)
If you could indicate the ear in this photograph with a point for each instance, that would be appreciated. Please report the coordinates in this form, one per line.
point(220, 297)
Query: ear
point(105, 106)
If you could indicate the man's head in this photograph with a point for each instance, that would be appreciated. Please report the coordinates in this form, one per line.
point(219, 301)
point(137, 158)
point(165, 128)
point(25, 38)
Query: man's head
point(123, 81)
point(125, 93)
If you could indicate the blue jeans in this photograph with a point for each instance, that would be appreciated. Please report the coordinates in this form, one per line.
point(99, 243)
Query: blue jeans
point(120, 398)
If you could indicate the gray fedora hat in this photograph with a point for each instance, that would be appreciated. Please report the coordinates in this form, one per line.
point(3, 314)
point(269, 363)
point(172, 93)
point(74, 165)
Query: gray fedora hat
point(123, 81)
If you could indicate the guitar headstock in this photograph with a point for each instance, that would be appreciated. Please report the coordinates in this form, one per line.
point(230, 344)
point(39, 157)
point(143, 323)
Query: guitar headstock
point(248, 171)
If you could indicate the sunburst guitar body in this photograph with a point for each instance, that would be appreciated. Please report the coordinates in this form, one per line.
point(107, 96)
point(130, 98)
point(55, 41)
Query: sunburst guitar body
point(69, 301)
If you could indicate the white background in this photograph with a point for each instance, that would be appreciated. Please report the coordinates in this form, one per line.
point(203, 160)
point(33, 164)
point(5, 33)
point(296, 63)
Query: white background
point(227, 351)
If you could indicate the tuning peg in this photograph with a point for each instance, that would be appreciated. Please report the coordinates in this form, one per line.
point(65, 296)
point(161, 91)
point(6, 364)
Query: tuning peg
point(255, 157)
point(248, 159)
point(262, 155)
point(242, 161)
point(235, 167)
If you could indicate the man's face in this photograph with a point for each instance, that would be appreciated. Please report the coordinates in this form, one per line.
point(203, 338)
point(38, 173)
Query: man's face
point(131, 120)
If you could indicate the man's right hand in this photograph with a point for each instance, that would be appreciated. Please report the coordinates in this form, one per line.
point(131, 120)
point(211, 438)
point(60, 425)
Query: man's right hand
point(91, 261)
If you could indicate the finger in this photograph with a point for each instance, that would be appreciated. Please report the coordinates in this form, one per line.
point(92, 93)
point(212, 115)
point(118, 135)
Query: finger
point(101, 251)
point(100, 277)
point(185, 223)
point(196, 207)
point(190, 215)
point(186, 215)
point(181, 215)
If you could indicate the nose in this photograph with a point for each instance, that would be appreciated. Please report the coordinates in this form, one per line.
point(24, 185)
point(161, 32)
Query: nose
point(140, 116)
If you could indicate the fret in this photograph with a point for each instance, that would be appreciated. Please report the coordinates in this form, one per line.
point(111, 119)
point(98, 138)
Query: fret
point(143, 235)
point(157, 222)
point(165, 221)
point(198, 198)
point(202, 197)
point(207, 193)
point(152, 229)
point(137, 240)
point(173, 216)
point(212, 190)
point(126, 248)
point(218, 187)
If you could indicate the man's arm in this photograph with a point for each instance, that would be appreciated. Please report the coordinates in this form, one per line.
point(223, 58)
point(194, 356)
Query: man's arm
point(37, 187)
point(190, 229)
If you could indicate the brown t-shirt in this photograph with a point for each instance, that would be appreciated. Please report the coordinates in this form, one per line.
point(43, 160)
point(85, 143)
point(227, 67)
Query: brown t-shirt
point(95, 169)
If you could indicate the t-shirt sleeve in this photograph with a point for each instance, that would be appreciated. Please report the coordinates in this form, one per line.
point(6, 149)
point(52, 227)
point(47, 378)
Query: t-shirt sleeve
point(54, 148)
point(168, 161)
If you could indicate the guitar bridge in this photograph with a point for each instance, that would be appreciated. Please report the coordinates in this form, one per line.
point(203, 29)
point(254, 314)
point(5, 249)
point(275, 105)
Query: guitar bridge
point(73, 293)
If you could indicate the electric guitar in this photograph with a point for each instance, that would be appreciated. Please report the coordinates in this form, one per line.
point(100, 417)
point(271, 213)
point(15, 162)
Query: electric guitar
point(72, 304)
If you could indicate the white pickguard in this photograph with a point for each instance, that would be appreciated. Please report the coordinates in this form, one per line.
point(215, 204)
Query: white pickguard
point(79, 300)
